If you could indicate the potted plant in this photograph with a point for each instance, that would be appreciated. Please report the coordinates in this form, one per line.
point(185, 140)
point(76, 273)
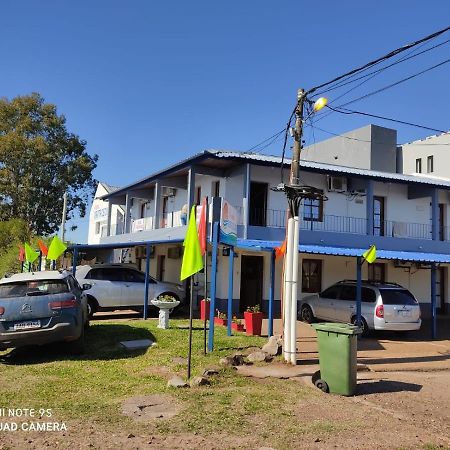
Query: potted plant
point(220, 319)
point(237, 324)
point(204, 309)
point(253, 320)
point(165, 303)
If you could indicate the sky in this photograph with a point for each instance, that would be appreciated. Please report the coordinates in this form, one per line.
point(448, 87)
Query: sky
point(148, 83)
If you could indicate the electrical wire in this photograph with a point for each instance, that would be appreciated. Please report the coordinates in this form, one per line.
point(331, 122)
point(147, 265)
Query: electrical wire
point(379, 60)
point(349, 112)
point(276, 135)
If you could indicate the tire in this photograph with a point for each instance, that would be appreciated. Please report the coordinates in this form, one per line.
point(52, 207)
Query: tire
point(365, 327)
point(92, 306)
point(78, 346)
point(322, 385)
point(306, 314)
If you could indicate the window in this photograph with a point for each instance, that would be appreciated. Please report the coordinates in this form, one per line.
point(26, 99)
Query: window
point(142, 210)
point(133, 276)
point(348, 293)
point(378, 216)
point(397, 297)
point(311, 275)
point(377, 272)
point(419, 165)
point(198, 195)
point(331, 293)
point(430, 164)
point(97, 227)
point(258, 204)
point(313, 210)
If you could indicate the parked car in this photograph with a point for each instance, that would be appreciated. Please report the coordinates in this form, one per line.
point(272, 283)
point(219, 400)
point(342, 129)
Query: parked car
point(385, 306)
point(119, 286)
point(38, 308)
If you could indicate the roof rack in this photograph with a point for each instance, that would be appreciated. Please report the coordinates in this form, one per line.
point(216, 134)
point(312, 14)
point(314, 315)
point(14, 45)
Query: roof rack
point(371, 282)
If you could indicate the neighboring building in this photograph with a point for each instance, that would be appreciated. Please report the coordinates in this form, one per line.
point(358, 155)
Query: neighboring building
point(367, 203)
point(430, 157)
point(99, 214)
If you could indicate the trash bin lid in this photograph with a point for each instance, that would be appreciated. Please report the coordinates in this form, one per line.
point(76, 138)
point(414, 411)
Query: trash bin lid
point(339, 328)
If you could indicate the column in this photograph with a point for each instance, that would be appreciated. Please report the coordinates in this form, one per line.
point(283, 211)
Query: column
point(108, 219)
point(157, 210)
point(246, 194)
point(127, 212)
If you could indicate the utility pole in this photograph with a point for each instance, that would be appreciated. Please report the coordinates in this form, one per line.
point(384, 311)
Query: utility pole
point(293, 192)
point(63, 219)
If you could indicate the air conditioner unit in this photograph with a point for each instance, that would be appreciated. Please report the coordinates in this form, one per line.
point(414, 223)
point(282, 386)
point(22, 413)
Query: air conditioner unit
point(168, 192)
point(337, 184)
point(174, 252)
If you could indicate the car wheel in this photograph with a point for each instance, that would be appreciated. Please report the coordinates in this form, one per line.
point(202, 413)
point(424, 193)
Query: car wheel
point(78, 346)
point(306, 314)
point(365, 327)
point(92, 307)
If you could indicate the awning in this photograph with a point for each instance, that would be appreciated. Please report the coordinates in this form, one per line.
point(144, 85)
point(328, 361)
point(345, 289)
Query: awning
point(257, 245)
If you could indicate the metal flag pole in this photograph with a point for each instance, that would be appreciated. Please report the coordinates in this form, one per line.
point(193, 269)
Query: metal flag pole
point(190, 326)
point(205, 269)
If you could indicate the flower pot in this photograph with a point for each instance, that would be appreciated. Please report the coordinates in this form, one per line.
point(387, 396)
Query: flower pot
point(237, 326)
point(204, 310)
point(220, 322)
point(253, 323)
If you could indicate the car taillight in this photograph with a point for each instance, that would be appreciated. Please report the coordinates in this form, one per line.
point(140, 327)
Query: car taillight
point(63, 304)
point(2, 310)
point(379, 311)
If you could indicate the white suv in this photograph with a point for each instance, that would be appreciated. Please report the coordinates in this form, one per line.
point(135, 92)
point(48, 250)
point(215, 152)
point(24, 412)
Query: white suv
point(385, 306)
point(120, 286)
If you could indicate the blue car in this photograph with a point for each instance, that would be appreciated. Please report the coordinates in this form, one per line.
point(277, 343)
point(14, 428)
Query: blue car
point(38, 308)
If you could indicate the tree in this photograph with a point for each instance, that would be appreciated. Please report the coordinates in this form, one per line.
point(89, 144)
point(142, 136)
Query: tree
point(39, 161)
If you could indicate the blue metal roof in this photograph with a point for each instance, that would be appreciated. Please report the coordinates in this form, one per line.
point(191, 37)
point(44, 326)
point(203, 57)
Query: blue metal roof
point(257, 245)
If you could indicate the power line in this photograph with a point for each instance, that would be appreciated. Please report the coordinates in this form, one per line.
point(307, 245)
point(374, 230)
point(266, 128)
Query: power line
point(265, 140)
point(378, 60)
point(349, 111)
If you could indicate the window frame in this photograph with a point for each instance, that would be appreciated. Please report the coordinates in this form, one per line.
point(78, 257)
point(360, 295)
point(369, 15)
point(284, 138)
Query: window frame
point(311, 208)
point(318, 283)
point(430, 164)
point(418, 165)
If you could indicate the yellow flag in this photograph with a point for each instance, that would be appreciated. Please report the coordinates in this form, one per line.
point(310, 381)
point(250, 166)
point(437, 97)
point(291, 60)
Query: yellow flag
point(56, 249)
point(370, 255)
point(30, 254)
point(192, 256)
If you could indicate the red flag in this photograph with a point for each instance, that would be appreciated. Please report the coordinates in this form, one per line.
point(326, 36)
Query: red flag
point(202, 227)
point(281, 250)
point(21, 254)
point(42, 247)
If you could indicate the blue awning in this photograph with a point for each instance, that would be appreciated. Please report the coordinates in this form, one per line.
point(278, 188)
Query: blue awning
point(257, 245)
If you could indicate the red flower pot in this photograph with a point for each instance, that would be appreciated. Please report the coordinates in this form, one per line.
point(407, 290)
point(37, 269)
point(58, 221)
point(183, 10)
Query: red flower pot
point(221, 322)
point(204, 310)
point(253, 323)
point(237, 326)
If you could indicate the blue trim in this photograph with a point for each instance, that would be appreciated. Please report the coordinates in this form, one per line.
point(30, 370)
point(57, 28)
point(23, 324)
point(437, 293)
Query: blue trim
point(271, 292)
point(147, 279)
point(433, 301)
point(123, 244)
point(212, 304)
point(230, 290)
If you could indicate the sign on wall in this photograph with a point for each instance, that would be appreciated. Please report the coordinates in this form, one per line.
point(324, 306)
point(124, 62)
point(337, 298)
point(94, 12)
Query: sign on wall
point(228, 224)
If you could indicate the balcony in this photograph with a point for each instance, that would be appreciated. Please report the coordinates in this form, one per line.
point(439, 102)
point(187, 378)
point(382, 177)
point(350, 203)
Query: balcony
point(167, 220)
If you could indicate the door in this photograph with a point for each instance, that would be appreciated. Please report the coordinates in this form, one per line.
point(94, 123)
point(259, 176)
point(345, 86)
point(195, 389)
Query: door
point(161, 268)
point(440, 290)
point(165, 207)
point(378, 216)
point(258, 204)
point(325, 307)
point(107, 286)
point(133, 288)
point(345, 305)
point(251, 281)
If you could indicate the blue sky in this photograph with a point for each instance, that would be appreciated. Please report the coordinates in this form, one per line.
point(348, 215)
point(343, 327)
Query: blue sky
point(148, 83)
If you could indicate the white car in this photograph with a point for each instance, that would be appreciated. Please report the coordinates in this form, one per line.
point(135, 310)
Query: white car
point(384, 306)
point(119, 286)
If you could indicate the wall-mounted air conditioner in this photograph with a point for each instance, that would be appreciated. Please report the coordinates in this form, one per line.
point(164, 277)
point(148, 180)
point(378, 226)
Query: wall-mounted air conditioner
point(168, 192)
point(337, 184)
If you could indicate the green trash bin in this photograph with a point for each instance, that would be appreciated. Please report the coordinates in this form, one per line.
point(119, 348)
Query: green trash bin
point(337, 357)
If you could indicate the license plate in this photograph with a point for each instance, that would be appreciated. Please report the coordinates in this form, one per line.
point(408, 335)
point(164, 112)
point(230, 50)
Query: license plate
point(27, 325)
point(405, 313)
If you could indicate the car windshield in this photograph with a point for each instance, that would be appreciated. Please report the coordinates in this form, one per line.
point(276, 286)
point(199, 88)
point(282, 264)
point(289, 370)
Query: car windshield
point(34, 287)
point(397, 297)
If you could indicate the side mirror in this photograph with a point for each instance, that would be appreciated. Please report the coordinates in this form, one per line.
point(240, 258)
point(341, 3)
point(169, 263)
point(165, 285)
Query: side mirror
point(86, 286)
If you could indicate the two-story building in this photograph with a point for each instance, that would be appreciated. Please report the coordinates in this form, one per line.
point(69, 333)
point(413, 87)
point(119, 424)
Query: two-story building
point(367, 202)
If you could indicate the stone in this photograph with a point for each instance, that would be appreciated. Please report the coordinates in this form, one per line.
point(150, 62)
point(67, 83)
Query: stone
point(238, 359)
point(258, 356)
point(227, 361)
point(199, 381)
point(210, 372)
point(273, 346)
point(150, 407)
point(177, 382)
point(137, 344)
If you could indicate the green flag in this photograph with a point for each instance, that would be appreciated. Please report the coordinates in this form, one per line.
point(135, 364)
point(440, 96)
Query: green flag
point(370, 255)
point(56, 249)
point(30, 254)
point(192, 256)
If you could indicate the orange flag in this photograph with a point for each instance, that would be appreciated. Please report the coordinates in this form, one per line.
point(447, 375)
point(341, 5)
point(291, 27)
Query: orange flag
point(281, 250)
point(42, 247)
point(202, 227)
point(21, 254)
